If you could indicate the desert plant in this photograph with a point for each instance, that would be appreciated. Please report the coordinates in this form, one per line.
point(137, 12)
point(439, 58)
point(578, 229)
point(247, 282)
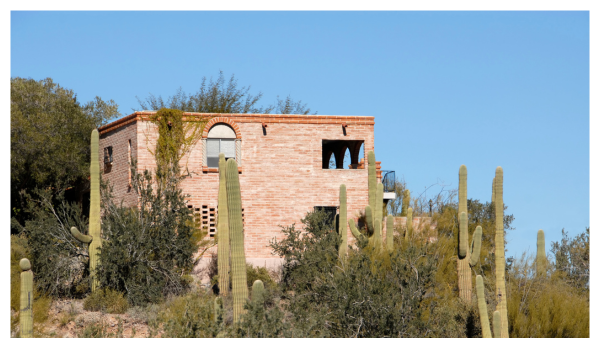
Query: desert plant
point(223, 229)
point(467, 257)
point(541, 261)
point(94, 241)
point(106, 300)
point(26, 309)
point(501, 296)
point(343, 222)
point(236, 227)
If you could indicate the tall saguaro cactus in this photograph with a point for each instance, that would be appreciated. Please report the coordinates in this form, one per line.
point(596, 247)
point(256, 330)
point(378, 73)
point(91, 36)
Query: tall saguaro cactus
point(501, 296)
point(372, 180)
point(409, 224)
point(26, 308)
point(223, 229)
point(541, 261)
point(94, 240)
point(343, 222)
point(467, 257)
point(483, 313)
point(236, 229)
point(405, 203)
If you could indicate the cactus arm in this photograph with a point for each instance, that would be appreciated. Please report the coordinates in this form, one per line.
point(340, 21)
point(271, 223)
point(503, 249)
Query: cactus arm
point(463, 235)
point(236, 232)
point(80, 237)
point(481, 304)
point(258, 292)
point(26, 306)
point(223, 229)
point(501, 295)
point(343, 222)
point(372, 179)
point(541, 253)
point(354, 230)
point(476, 246)
point(379, 202)
point(369, 219)
point(389, 233)
point(494, 190)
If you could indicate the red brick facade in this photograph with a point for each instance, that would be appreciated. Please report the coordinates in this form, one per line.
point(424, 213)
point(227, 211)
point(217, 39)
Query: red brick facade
point(281, 174)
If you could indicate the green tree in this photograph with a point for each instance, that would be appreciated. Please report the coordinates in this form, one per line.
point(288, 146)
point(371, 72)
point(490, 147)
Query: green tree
point(49, 140)
point(572, 258)
point(224, 97)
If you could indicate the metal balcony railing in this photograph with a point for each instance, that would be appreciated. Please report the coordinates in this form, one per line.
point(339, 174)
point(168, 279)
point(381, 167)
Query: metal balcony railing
point(388, 178)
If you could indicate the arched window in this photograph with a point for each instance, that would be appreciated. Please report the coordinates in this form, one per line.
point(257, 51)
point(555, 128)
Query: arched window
point(221, 139)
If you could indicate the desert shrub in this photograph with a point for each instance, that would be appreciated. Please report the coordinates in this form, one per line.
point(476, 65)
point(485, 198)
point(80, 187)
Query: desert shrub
point(58, 260)
point(147, 250)
point(106, 300)
point(545, 306)
point(191, 315)
point(370, 293)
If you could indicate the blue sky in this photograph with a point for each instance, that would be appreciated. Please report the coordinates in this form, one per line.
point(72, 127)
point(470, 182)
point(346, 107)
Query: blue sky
point(446, 88)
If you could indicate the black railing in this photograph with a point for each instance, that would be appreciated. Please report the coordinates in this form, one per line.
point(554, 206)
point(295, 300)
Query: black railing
point(388, 178)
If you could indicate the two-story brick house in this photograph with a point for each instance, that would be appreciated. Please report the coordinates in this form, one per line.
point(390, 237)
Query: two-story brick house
point(283, 162)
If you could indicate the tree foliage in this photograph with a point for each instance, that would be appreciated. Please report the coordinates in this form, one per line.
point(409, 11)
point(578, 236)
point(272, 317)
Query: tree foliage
point(222, 97)
point(49, 140)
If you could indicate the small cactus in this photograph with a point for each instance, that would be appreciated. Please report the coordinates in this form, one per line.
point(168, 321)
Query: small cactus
point(223, 229)
point(405, 203)
point(258, 293)
point(94, 240)
point(26, 310)
point(541, 261)
point(236, 231)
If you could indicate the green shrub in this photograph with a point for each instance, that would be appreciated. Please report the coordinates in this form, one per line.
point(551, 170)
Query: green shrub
point(253, 273)
point(148, 250)
point(106, 300)
point(190, 316)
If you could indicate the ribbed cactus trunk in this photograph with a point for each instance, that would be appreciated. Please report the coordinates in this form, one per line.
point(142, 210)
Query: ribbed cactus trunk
point(389, 233)
point(94, 229)
point(223, 229)
point(541, 262)
point(94, 240)
point(369, 219)
point(343, 222)
point(26, 310)
point(378, 222)
point(372, 179)
point(258, 293)
point(238, 258)
point(501, 300)
point(465, 283)
point(482, 306)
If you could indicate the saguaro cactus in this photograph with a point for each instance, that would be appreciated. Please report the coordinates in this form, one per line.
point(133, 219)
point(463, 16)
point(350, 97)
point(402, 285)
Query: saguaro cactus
point(497, 324)
point(541, 254)
point(343, 222)
point(236, 229)
point(372, 180)
point(94, 240)
point(26, 311)
point(389, 233)
point(501, 296)
point(467, 257)
point(258, 293)
point(223, 229)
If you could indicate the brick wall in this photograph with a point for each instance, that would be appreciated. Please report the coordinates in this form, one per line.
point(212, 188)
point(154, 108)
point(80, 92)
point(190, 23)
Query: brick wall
point(281, 177)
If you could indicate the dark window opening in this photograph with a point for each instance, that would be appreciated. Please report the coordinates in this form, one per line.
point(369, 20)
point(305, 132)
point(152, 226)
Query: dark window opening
point(330, 211)
point(108, 155)
point(341, 154)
